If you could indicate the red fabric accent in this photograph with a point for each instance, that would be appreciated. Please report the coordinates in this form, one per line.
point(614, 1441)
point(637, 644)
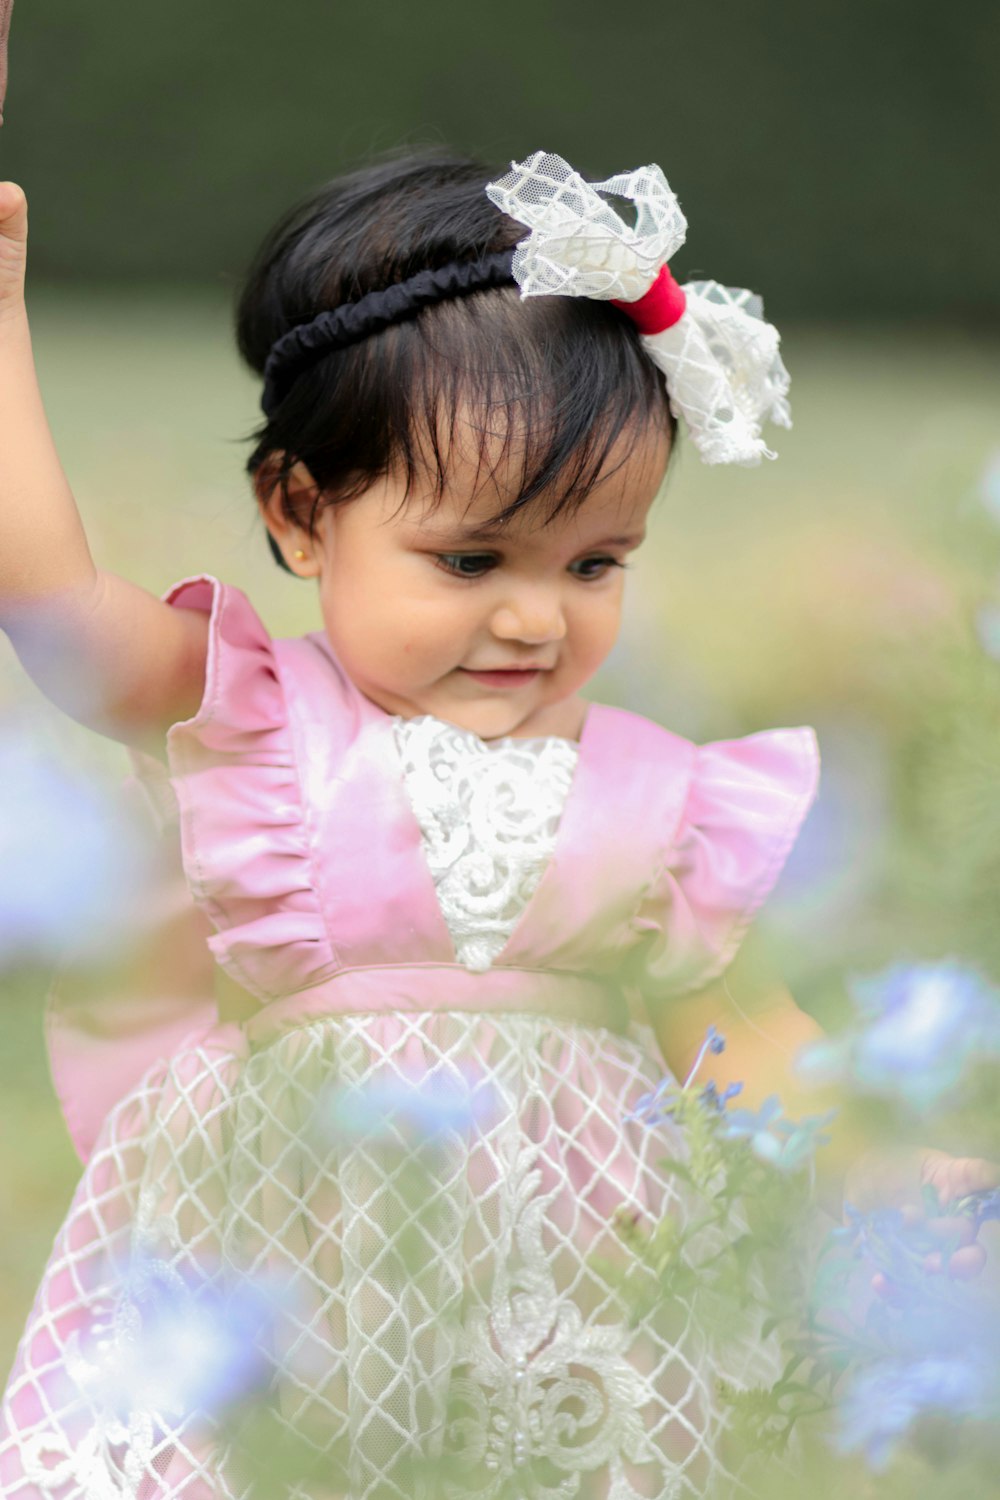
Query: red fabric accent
point(659, 308)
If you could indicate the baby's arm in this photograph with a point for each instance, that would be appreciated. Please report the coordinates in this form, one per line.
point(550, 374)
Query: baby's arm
point(109, 653)
point(764, 1029)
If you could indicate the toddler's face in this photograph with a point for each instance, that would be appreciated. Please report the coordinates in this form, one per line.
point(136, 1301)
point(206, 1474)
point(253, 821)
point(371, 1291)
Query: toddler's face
point(495, 631)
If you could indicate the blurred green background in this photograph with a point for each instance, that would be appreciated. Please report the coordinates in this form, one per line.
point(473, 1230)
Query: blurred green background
point(840, 159)
point(840, 156)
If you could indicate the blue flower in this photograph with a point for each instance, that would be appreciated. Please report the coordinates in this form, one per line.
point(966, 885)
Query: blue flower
point(657, 1106)
point(710, 1095)
point(410, 1106)
point(755, 1126)
point(652, 1107)
point(988, 629)
point(982, 1206)
point(174, 1347)
point(989, 486)
point(883, 1401)
point(72, 868)
point(782, 1142)
point(714, 1042)
point(925, 1023)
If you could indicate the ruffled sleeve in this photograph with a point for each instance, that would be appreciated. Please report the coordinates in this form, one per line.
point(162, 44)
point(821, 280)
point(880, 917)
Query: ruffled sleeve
point(746, 801)
point(234, 781)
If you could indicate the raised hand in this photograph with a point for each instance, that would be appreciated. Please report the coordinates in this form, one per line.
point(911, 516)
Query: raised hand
point(106, 651)
point(942, 1201)
point(961, 1185)
point(13, 243)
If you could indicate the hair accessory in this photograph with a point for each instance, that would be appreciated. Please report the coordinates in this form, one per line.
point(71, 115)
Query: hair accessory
point(348, 324)
point(720, 358)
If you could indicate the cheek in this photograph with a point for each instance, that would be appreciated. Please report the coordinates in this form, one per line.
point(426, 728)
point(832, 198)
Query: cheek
point(420, 636)
point(598, 627)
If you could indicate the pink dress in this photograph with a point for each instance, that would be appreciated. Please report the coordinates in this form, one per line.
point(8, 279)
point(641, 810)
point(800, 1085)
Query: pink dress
point(407, 903)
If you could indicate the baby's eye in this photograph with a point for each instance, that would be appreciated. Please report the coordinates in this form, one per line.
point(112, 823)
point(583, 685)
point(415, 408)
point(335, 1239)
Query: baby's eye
point(594, 567)
point(466, 564)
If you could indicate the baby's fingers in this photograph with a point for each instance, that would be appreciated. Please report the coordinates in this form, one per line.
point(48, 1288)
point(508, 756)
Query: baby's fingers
point(967, 1262)
point(960, 1255)
point(958, 1176)
point(13, 244)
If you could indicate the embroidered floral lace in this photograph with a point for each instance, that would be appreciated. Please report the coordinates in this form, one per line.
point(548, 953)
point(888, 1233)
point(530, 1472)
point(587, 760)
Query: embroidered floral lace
point(489, 814)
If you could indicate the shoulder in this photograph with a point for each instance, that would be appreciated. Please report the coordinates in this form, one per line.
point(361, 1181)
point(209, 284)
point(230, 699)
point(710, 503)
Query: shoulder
point(730, 813)
point(251, 678)
point(754, 776)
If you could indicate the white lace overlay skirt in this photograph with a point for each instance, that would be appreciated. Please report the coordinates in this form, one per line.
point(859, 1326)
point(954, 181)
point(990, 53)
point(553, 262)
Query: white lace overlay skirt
point(458, 1299)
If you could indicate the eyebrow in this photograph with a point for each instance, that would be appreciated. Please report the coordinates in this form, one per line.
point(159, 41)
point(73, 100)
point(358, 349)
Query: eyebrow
point(491, 534)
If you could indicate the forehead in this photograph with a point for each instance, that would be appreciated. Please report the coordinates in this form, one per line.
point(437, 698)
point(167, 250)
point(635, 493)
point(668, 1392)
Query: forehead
point(476, 493)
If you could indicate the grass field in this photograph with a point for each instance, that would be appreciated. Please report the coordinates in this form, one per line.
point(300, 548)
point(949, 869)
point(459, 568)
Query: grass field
point(794, 593)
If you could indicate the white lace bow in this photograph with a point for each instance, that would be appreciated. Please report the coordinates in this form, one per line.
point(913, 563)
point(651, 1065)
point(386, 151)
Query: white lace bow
point(724, 374)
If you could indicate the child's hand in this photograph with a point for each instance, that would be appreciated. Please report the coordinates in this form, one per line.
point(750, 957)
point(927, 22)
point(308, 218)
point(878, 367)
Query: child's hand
point(912, 1180)
point(954, 1178)
point(13, 246)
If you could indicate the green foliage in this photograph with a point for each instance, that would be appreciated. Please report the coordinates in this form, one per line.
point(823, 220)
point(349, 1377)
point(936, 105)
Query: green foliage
point(891, 1378)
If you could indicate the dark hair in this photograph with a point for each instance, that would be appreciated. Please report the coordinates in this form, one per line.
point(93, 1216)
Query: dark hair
point(564, 376)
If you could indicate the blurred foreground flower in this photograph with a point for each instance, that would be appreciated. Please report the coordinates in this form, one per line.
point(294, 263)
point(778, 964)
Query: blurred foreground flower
point(989, 486)
point(72, 867)
point(926, 1024)
point(781, 1142)
point(840, 852)
point(409, 1106)
point(988, 629)
point(883, 1402)
point(173, 1348)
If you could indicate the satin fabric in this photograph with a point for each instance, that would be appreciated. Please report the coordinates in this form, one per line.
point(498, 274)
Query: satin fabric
point(285, 795)
point(304, 859)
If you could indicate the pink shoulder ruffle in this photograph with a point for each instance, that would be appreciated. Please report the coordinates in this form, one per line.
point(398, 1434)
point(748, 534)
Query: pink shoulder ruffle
point(746, 802)
point(243, 831)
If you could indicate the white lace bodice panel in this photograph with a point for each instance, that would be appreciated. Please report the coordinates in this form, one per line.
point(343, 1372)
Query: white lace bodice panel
point(489, 813)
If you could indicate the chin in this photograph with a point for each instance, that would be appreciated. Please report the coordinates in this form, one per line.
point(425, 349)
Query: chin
point(490, 721)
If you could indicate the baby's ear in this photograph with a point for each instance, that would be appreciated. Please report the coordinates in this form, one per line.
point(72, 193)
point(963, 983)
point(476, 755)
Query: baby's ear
point(289, 532)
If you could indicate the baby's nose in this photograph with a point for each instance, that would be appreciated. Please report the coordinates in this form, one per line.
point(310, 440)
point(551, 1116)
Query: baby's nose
point(533, 616)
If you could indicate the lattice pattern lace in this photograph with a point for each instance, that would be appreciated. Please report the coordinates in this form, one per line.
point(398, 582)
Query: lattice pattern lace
point(462, 1302)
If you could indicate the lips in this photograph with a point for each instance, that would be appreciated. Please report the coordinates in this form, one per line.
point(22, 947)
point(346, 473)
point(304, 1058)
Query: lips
point(504, 677)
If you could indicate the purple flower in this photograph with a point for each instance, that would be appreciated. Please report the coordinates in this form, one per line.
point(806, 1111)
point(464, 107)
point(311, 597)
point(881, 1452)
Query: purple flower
point(883, 1401)
point(925, 1023)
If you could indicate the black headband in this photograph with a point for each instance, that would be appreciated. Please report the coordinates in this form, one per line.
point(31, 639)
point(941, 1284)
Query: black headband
point(308, 342)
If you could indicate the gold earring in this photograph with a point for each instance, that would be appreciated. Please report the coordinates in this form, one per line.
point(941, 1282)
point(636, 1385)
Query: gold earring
point(299, 555)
